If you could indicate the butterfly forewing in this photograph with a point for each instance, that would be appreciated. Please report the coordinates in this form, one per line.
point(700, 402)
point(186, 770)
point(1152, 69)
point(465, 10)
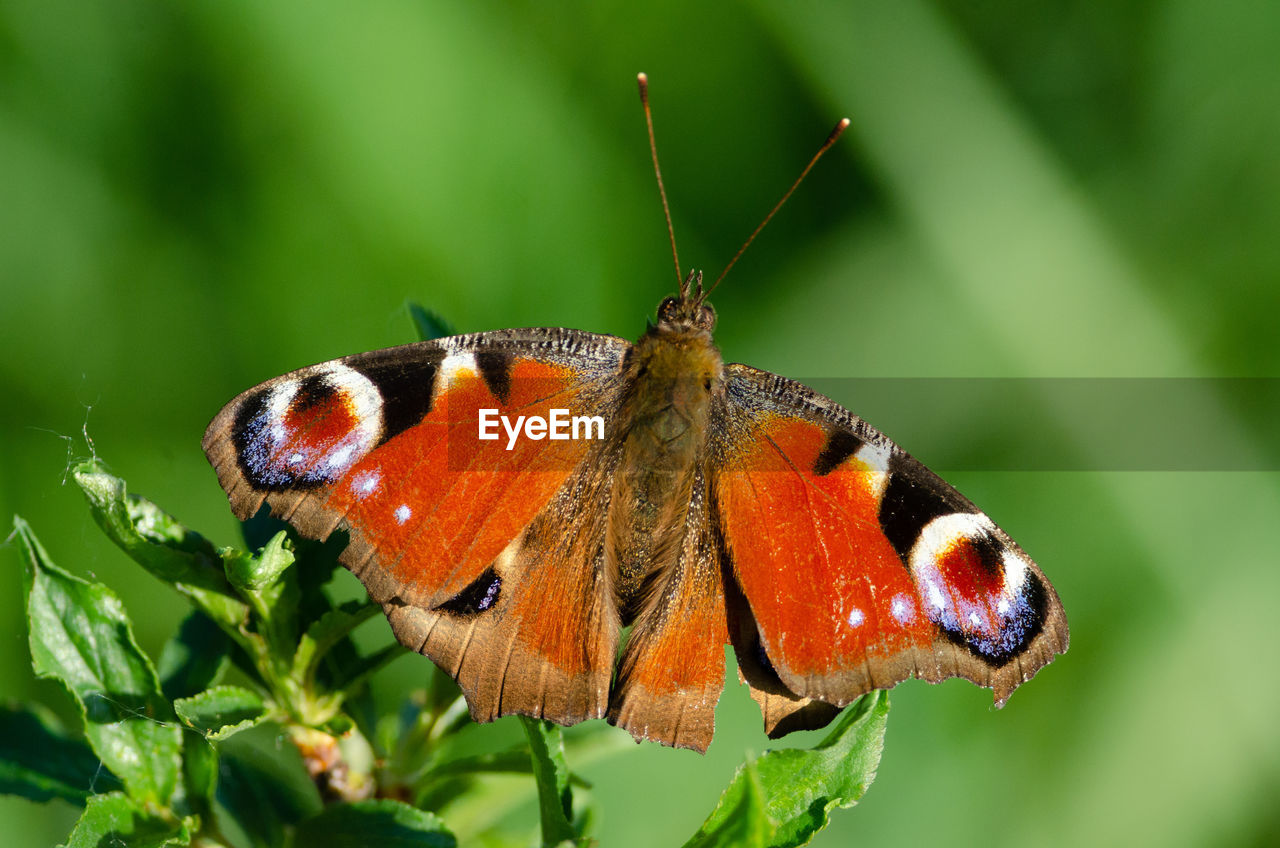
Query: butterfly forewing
point(476, 548)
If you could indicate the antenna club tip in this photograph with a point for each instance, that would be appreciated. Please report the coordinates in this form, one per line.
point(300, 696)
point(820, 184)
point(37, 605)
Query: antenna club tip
point(643, 79)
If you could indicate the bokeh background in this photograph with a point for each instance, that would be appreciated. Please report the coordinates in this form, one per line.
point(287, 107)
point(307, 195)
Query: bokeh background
point(195, 197)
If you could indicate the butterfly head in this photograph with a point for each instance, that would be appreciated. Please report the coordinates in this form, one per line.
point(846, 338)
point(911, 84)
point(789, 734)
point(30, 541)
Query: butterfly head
point(689, 312)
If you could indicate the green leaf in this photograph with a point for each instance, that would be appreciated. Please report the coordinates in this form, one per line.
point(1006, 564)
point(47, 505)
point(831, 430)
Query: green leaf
point(81, 636)
point(222, 711)
point(157, 542)
point(117, 821)
point(252, 573)
point(263, 786)
point(799, 788)
point(194, 658)
point(38, 762)
point(555, 799)
point(268, 581)
point(347, 677)
point(428, 324)
point(742, 819)
point(327, 631)
point(386, 824)
point(200, 771)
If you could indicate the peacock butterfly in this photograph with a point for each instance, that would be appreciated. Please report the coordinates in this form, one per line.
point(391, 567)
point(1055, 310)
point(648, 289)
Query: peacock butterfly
point(515, 498)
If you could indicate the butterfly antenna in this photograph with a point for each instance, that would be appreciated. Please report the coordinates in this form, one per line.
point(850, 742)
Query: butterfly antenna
point(826, 145)
point(653, 149)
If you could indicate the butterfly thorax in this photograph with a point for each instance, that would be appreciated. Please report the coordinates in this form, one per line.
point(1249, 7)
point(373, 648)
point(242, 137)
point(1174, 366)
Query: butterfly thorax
point(674, 373)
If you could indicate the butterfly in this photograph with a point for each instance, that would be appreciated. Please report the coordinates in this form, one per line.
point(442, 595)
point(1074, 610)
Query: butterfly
point(517, 499)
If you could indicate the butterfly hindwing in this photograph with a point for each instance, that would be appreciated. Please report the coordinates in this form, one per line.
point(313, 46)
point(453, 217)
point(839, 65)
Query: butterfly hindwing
point(672, 670)
point(783, 710)
point(459, 538)
point(537, 634)
point(859, 566)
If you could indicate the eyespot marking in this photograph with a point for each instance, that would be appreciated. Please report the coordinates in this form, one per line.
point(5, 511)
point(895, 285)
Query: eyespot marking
point(978, 588)
point(309, 430)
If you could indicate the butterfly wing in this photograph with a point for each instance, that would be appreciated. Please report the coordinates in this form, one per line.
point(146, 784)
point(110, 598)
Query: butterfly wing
point(672, 671)
point(453, 534)
point(858, 566)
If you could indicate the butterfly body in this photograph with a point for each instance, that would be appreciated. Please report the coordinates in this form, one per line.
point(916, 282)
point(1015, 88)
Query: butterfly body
point(723, 505)
point(674, 372)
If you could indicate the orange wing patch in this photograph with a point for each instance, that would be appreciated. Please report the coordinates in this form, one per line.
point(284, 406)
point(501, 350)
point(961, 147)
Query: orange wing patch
point(448, 502)
point(827, 589)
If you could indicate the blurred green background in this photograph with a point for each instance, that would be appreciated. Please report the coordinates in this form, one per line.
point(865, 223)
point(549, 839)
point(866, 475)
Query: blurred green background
point(195, 197)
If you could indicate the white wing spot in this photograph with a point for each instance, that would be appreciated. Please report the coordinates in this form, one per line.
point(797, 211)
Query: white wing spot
point(1015, 573)
point(936, 599)
point(402, 513)
point(280, 398)
point(874, 456)
point(456, 363)
point(856, 617)
point(902, 609)
point(365, 483)
point(877, 459)
point(295, 458)
point(341, 457)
